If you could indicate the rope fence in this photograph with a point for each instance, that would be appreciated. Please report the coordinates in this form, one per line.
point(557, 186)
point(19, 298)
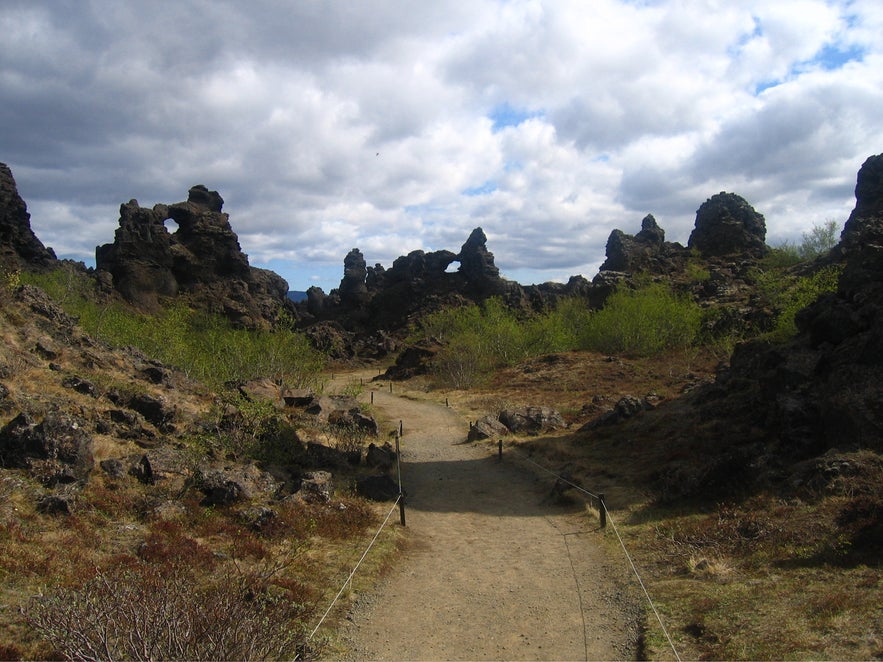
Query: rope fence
point(349, 579)
point(605, 517)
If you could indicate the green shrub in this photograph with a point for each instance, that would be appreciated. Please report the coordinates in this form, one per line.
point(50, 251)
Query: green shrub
point(819, 240)
point(789, 294)
point(642, 322)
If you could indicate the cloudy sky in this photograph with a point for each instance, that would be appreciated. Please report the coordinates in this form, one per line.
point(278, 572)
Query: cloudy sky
point(394, 125)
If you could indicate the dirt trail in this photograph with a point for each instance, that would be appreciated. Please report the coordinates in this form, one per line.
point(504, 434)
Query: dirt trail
point(493, 571)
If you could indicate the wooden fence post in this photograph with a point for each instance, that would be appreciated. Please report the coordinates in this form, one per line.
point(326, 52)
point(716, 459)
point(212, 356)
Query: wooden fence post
point(401, 492)
point(602, 509)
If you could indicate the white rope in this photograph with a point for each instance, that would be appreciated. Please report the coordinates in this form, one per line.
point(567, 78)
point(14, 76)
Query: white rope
point(643, 588)
point(622, 544)
point(348, 579)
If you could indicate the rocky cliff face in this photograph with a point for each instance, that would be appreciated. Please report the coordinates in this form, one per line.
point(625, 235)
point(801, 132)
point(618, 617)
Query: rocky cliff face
point(18, 243)
point(201, 258)
point(803, 411)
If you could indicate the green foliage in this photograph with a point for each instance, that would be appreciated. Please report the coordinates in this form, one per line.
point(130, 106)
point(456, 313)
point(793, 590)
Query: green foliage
point(783, 256)
point(642, 322)
point(478, 339)
point(205, 346)
point(819, 240)
point(790, 294)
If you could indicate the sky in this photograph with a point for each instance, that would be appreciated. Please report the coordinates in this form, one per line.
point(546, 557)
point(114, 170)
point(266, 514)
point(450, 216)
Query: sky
point(392, 126)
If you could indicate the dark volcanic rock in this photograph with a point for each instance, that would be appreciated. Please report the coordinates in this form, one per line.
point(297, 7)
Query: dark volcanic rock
point(19, 245)
point(486, 427)
point(377, 488)
point(727, 225)
point(779, 404)
point(202, 258)
point(646, 251)
point(477, 263)
point(533, 420)
point(57, 449)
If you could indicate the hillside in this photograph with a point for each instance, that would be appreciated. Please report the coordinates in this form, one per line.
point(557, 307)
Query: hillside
point(746, 483)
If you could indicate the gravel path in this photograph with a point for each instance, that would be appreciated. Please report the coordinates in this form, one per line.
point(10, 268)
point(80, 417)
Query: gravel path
point(493, 570)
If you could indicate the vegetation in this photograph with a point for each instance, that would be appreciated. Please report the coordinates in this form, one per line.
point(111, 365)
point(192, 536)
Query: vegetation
point(478, 339)
point(788, 294)
point(204, 346)
point(815, 243)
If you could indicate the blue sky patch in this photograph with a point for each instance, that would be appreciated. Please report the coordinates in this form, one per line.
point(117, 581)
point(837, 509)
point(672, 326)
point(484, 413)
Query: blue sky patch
point(834, 56)
point(505, 115)
point(482, 189)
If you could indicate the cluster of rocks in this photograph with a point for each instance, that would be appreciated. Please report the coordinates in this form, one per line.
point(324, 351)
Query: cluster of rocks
point(149, 261)
point(519, 420)
point(779, 405)
point(202, 258)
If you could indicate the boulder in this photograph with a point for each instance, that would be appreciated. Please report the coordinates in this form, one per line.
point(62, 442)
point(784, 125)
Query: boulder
point(487, 427)
point(531, 420)
point(223, 486)
point(316, 487)
point(56, 450)
point(353, 420)
point(726, 224)
point(377, 488)
point(380, 457)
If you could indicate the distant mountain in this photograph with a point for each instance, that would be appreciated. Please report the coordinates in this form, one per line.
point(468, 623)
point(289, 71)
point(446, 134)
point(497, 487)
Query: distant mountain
point(296, 296)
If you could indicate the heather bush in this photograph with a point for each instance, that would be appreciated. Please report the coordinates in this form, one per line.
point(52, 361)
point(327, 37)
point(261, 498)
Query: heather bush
point(149, 611)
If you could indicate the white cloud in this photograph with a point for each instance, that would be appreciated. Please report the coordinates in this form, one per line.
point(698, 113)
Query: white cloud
point(329, 126)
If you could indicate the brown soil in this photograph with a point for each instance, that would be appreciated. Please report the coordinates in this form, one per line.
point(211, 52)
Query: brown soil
point(494, 568)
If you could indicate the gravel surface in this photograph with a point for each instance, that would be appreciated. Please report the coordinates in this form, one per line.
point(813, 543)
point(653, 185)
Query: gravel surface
point(493, 569)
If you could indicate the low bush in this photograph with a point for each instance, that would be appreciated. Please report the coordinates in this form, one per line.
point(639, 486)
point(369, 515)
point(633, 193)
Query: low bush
point(641, 322)
point(148, 611)
point(205, 346)
point(788, 294)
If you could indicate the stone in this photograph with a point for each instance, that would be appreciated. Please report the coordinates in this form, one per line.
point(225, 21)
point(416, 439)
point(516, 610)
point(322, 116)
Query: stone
point(19, 246)
point(726, 224)
point(531, 420)
point(316, 487)
point(353, 419)
point(377, 488)
point(57, 449)
point(487, 427)
point(202, 258)
point(380, 457)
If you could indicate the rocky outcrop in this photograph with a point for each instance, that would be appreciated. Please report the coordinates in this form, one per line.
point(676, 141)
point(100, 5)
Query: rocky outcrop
point(374, 305)
point(645, 251)
point(201, 258)
point(727, 225)
point(19, 245)
point(822, 392)
point(520, 420)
